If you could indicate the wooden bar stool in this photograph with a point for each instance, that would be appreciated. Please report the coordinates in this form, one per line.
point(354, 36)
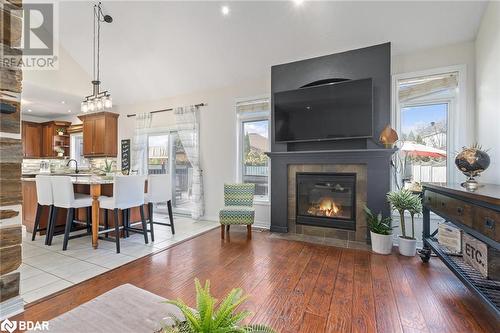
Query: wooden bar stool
point(65, 197)
point(44, 199)
point(159, 191)
point(128, 192)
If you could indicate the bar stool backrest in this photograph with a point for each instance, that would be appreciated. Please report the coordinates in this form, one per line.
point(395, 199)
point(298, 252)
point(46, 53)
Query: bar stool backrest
point(44, 190)
point(159, 188)
point(62, 188)
point(128, 191)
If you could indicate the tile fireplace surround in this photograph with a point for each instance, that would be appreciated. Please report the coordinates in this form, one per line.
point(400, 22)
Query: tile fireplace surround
point(372, 168)
point(359, 235)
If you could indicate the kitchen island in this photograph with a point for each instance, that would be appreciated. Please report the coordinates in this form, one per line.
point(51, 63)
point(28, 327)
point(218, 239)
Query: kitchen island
point(92, 185)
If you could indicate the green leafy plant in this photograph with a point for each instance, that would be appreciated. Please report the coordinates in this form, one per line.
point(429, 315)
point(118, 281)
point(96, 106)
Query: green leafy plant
point(61, 130)
point(108, 166)
point(209, 318)
point(377, 223)
point(405, 200)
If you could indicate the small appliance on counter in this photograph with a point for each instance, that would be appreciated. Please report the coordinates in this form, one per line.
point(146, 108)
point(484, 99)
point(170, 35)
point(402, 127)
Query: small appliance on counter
point(44, 166)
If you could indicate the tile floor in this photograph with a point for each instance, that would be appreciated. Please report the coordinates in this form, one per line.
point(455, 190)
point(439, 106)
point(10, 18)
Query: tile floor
point(48, 269)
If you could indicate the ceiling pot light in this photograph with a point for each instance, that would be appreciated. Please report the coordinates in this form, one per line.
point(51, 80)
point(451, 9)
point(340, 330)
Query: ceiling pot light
point(99, 99)
point(29, 110)
point(63, 102)
point(69, 111)
point(298, 2)
point(225, 10)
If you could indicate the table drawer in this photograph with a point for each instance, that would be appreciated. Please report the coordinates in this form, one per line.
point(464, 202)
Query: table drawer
point(487, 222)
point(454, 209)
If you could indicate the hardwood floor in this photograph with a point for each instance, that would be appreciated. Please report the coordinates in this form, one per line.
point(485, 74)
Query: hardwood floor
point(298, 287)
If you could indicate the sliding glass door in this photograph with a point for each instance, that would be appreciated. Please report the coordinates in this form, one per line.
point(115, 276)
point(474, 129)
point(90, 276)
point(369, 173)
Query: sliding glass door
point(166, 155)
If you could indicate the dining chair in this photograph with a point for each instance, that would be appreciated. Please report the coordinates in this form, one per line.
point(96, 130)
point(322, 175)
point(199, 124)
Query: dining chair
point(159, 191)
point(128, 192)
point(44, 199)
point(65, 197)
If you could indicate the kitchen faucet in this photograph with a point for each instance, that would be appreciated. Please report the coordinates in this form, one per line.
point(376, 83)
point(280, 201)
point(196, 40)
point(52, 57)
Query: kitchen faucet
point(76, 165)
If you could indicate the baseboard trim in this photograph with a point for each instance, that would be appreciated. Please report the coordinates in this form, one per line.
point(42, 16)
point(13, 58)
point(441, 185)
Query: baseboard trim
point(279, 229)
point(11, 307)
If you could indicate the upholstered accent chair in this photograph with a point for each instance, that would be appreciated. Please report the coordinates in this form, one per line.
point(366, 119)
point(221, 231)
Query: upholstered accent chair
point(238, 207)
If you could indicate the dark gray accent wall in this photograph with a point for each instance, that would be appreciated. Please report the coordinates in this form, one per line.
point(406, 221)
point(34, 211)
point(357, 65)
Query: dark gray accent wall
point(369, 62)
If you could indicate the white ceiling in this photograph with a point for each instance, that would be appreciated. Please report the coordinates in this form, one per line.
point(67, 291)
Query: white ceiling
point(155, 50)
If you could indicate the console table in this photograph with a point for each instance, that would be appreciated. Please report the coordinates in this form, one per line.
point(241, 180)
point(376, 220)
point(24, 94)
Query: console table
point(476, 213)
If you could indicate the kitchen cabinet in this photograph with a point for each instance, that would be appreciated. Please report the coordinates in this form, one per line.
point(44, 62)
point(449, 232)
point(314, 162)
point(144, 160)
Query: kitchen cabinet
point(41, 139)
point(100, 134)
point(52, 140)
point(31, 136)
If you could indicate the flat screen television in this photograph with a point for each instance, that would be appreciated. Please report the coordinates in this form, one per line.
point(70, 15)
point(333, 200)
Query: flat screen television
point(334, 111)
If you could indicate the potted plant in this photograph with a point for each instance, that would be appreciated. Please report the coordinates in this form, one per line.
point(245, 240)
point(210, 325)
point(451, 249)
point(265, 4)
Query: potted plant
point(108, 168)
point(60, 131)
point(207, 317)
point(403, 201)
point(380, 232)
point(59, 151)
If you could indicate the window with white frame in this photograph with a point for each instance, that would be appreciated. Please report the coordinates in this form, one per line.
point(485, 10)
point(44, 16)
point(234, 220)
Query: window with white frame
point(425, 105)
point(76, 150)
point(253, 142)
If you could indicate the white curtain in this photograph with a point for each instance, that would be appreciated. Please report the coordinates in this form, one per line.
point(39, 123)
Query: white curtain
point(140, 143)
point(187, 121)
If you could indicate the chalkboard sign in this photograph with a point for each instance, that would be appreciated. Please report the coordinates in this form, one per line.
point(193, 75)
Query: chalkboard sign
point(126, 156)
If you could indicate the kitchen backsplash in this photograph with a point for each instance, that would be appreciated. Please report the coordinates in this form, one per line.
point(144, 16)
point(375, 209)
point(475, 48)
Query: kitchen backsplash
point(32, 165)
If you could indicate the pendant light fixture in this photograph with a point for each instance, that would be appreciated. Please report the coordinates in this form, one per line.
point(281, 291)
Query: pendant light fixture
point(99, 100)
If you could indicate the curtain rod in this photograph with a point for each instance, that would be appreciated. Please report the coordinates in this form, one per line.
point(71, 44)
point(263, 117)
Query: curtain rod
point(165, 110)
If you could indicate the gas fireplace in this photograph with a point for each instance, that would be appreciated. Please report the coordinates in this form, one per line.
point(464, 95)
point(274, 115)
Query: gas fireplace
point(326, 199)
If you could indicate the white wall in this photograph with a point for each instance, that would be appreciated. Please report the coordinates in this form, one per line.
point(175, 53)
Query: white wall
point(445, 56)
point(488, 89)
point(217, 136)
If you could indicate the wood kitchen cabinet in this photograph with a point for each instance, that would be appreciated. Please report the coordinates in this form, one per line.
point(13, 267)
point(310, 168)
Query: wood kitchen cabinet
point(41, 139)
point(100, 134)
point(52, 140)
point(31, 136)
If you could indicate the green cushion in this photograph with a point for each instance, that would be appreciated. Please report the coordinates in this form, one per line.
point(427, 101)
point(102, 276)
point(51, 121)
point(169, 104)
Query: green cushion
point(237, 215)
point(239, 194)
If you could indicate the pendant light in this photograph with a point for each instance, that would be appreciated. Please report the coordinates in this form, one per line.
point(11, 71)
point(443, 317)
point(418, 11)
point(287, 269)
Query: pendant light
point(99, 100)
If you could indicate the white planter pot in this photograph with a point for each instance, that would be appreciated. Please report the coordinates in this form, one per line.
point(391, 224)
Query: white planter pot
point(407, 247)
point(381, 244)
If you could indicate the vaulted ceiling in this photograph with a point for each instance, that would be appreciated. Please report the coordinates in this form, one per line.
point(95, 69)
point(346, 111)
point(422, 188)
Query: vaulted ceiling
point(157, 49)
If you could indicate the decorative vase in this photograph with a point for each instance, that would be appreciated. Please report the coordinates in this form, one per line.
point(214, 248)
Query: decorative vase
point(471, 161)
point(381, 244)
point(407, 247)
point(388, 137)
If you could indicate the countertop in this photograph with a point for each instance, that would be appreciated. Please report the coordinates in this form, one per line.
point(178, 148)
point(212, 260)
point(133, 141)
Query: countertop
point(83, 179)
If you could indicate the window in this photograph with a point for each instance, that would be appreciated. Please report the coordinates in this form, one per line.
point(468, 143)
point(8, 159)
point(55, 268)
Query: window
point(253, 137)
point(425, 105)
point(76, 151)
point(424, 130)
point(163, 147)
point(158, 154)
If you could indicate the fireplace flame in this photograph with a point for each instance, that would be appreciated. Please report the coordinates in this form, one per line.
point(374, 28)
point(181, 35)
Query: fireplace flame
point(326, 207)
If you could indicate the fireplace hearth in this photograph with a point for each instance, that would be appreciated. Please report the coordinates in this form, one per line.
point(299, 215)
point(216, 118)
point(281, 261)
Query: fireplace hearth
point(326, 199)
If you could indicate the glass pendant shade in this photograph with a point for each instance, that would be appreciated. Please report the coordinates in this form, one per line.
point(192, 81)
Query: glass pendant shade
point(91, 106)
point(108, 102)
point(99, 104)
point(84, 107)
